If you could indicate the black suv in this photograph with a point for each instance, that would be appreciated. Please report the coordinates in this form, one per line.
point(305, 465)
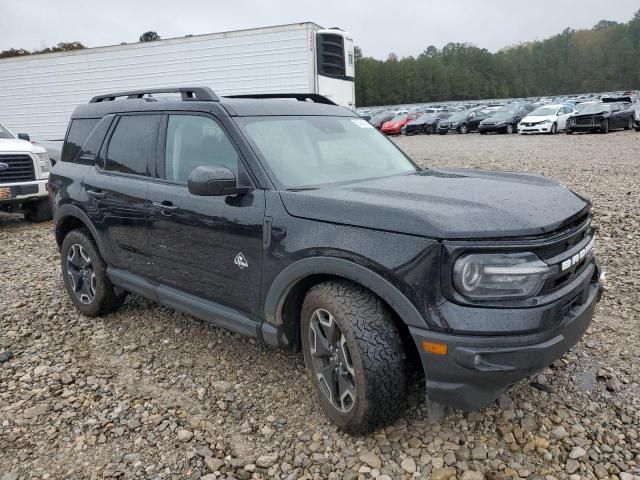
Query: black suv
point(299, 224)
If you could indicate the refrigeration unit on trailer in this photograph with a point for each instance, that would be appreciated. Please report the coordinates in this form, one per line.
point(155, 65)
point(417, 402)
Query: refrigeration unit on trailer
point(39, 92)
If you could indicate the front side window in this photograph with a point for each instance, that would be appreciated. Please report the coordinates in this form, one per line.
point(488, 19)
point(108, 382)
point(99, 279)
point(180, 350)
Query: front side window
point(133, 144)
point(304, 151)
point(196, 141)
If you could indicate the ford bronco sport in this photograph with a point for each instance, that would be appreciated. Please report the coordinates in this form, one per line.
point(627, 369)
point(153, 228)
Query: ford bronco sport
point(299, 224)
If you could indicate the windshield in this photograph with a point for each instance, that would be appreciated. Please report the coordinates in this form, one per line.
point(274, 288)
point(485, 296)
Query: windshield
point(503, 115)
point(456, 117)
point(382, 117)
point(5, 133)
point(399, 118)
point(544, 111)
point(595, 108)
point(426, 117)
point(305, 151)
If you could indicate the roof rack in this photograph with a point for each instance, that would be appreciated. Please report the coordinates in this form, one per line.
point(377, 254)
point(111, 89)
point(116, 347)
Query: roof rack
point(198, 94)
point(301, 97)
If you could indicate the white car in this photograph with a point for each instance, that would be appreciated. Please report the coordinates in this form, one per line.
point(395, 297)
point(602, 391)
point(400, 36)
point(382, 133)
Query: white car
point(546, 119)
point(24, 173)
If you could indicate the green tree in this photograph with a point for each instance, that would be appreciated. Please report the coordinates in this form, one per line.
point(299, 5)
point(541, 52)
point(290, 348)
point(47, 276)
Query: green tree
point(149, 36)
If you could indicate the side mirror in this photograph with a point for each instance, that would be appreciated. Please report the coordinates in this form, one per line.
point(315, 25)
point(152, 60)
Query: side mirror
point(214, 181)
point(24, 136)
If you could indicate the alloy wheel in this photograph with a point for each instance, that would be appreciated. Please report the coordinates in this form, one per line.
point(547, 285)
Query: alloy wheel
point(82, 278)
point(331, 359)
point(509, 129)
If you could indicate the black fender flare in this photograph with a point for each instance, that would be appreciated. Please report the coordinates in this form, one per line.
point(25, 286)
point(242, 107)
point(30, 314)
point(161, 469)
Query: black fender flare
point(297, 271)
point(70, 210)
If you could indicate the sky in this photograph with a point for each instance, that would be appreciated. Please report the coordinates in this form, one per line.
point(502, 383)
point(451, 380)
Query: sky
point(379, 28)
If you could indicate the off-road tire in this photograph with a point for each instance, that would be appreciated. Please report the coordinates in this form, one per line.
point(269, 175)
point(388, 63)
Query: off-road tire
point(377, 354)
point(38, 211)
point(106, 299)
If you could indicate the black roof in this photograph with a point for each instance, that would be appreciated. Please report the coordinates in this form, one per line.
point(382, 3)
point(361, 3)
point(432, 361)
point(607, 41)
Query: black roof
point(203, 99)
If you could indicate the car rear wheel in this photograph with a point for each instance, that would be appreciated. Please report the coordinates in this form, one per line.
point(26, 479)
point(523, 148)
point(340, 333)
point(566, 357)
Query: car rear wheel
point(355, 355)
point(84, 274)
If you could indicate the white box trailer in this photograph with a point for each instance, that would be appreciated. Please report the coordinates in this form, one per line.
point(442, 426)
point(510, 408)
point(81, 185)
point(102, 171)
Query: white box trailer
point(39, 92)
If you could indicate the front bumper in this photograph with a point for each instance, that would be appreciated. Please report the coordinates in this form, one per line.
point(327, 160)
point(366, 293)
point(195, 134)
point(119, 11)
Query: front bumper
point(540, 128)
point(25, 191)
point(477, 369)
point(492, 128)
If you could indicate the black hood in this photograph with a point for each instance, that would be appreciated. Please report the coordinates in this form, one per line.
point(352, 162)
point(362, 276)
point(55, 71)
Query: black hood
point(446, 204)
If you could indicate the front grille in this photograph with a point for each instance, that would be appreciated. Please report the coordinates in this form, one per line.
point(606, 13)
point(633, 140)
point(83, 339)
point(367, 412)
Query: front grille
point(19, 168)
point(585, 121)
point(568, 241)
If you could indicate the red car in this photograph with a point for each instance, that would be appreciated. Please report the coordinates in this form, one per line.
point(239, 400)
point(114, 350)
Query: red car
point(394, 126)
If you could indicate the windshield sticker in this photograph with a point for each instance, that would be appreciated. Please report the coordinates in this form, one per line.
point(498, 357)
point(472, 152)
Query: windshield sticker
point(361, 123)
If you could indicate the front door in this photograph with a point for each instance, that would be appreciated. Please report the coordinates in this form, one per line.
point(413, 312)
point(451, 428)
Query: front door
point(210, 247)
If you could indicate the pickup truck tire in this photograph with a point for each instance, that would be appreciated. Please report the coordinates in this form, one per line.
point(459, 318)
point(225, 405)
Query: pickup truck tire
point(38, 211)
point(84, 274)
point(351, 344)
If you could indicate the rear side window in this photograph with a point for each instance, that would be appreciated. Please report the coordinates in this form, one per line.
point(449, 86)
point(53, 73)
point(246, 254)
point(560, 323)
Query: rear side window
point(79, 130)
point(133, 144)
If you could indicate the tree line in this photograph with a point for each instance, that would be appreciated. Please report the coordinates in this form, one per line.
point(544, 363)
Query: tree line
point(606, 57)
point(149, 36)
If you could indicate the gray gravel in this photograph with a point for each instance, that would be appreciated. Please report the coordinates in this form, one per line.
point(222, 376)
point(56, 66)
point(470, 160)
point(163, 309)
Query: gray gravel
point(150, 393)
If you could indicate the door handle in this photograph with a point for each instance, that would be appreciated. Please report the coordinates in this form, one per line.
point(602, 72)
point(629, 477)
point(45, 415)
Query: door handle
point(98, 195)
point(166, 208)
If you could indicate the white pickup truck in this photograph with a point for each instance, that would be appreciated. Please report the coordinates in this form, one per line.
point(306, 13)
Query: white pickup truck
point(24, 172)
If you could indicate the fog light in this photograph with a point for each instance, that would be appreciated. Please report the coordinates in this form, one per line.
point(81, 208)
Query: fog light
point(435, 348)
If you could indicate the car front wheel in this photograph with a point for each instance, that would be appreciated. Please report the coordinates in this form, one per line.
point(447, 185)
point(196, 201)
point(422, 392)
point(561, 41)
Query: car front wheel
point(354, 353)
point(509, 129)
point(84, 274)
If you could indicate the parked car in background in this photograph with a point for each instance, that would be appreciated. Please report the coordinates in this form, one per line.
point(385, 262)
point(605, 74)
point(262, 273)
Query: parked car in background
point(394, 126)
point(425, 123)
point(381, 118)
point(602, 117)
point(24, 171)
point(636, 116)
point(462, 122)
point(503, 121)
point(546, 119)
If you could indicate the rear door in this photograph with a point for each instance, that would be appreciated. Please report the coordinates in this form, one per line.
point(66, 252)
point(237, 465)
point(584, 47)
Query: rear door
point(117, 191)
point(210, 247)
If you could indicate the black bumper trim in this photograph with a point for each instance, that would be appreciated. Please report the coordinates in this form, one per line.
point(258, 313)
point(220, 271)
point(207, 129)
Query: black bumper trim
point(477, 369)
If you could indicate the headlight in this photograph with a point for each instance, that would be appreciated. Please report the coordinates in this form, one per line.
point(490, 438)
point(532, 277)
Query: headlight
point(499, 276)
point(43, 160)
point(545, 121)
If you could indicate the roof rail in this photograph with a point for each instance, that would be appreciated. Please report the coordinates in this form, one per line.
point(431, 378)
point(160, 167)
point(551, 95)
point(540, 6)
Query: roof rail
point(199, 94)
point(301, 97)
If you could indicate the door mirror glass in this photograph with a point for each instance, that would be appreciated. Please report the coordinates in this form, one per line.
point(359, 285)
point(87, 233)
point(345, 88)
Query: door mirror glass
point(24, 136)
point(208, 181)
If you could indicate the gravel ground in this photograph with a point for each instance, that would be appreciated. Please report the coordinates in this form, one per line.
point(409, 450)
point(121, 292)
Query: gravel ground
point(150, 393)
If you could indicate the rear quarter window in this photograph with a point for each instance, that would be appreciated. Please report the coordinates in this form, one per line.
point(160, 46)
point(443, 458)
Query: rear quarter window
point(79, 130)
